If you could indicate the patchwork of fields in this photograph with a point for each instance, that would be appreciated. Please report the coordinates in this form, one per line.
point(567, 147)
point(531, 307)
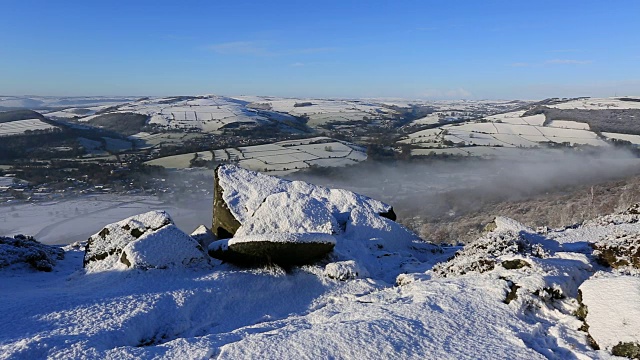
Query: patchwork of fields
point(281, 157)
point(493, 135)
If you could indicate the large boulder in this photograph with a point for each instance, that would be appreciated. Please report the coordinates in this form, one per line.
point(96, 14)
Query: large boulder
point(26, 249)
point(240, 193)
point(266, 219)
point(144, 241)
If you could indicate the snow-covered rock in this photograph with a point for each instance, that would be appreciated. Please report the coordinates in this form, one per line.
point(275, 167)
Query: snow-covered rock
point(240, 194)
point(162, 248)
point(289, 213)
point(344, 270)
point(502, 223)
point(26, 249)
point(250, 204)
point(507, 248)
point(203, 236)
point(620, 249)
point(148, 240)
point(613, 313)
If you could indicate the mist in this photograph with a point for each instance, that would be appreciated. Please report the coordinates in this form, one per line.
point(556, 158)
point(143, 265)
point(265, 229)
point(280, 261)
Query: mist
point(446, 188)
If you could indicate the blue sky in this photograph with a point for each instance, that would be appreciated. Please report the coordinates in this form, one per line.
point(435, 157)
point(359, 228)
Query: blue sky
point(412, 49)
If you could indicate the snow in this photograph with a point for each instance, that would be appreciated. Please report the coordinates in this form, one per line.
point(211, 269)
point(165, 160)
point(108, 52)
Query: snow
point(105, 247)
point(289, 213)
point(244, 191)
point(22, 126)
point(598, 104)
point(613, 305)
point(294, 238)
point(569, 124)
point(75, 219)
point(163, 248)
point(382, 292)
point(282, 157)
point(634, 139)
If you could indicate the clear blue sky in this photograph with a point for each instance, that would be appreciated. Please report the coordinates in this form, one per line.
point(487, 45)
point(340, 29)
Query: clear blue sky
point(414, 49)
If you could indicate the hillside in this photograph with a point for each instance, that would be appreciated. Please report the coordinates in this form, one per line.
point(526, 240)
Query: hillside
point(601, 123)
point(142, 288)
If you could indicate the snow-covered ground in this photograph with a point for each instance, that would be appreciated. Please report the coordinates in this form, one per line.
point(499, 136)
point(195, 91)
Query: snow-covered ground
point(512, 294)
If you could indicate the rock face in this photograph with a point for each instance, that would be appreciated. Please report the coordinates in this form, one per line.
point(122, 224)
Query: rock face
point(224, 224)
point(144, 241)
point(285, 249)
point(271, 220)
point(25, 249)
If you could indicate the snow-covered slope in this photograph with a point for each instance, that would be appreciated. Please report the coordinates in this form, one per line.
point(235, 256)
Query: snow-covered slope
point(512, 294)
point(498, 135)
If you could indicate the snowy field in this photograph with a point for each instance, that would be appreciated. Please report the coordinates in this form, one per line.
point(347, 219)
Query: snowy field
point(509, 130)
point(280, 157)
point(22, 126)
point(600, 104)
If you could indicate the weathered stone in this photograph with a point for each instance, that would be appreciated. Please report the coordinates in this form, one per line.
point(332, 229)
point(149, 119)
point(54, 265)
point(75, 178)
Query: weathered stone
point(111, 240)
point(224, 224)
point(284, 254)
point(513, 292)
point(514, 264)
point(281, 249)
point(144, 241)
point(629, 350)
point(249, 190)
